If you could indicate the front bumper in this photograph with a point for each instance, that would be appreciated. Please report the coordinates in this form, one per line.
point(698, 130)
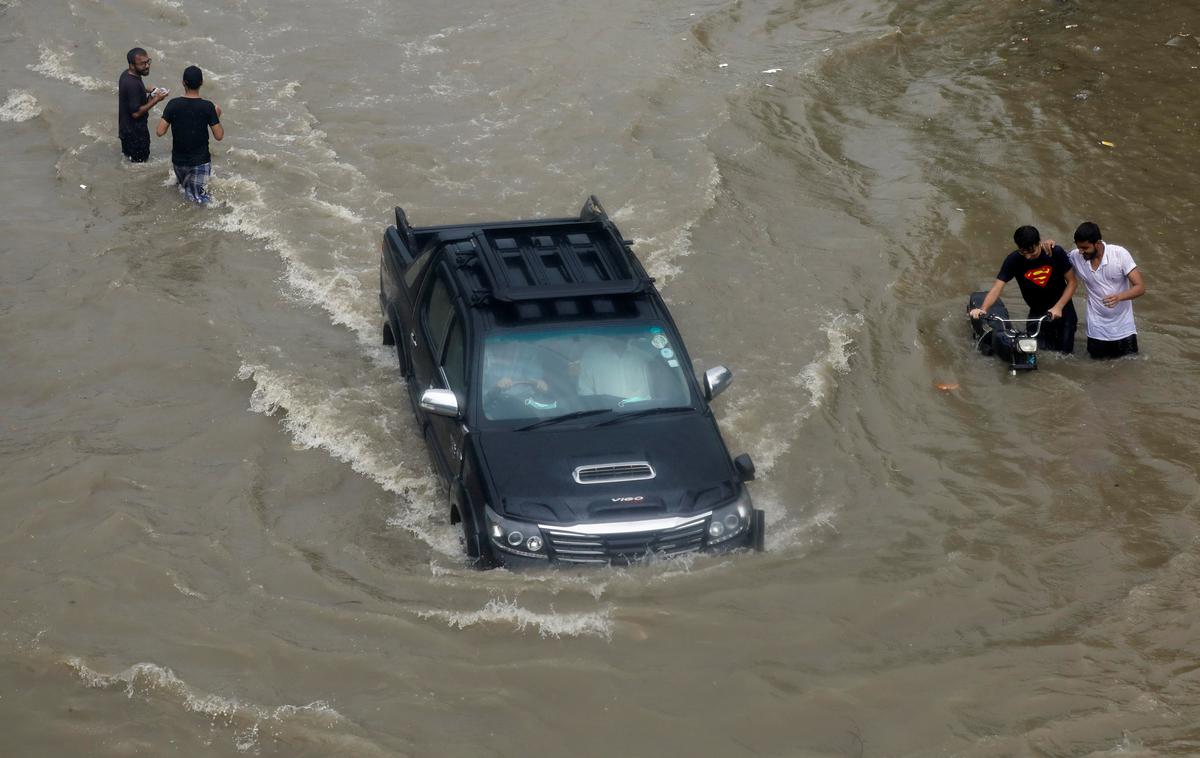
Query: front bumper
point(623, 543)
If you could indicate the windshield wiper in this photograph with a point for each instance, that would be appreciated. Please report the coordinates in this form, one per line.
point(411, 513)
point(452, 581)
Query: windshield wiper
point(644, 412)
point(564, 417)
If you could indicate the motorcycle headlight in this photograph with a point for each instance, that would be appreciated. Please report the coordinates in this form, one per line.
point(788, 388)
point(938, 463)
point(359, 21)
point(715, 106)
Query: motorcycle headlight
point(1027, 345)
point(512, 536)
point(730, 520)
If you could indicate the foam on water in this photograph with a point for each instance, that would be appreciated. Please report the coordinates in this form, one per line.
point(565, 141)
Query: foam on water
point(339, 291)
point(55, 66)
point(770, 436)
point(500, 610)
point(661, 251)
point(772, 439)
point(149, 680)
point(315, 423)
point(98, 132)
point(21, 105)
point(337, 211)
point(337, 421)
point(820, 376)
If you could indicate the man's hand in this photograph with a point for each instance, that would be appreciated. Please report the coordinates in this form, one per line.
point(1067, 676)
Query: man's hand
point(1112, 300)
point(976, 313)
point(1055, 312)
point(1047, 246)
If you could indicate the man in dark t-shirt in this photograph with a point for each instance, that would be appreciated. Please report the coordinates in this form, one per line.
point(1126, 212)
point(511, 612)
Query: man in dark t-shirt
point(190, 118)
point(133, 106)
point(1047, 283)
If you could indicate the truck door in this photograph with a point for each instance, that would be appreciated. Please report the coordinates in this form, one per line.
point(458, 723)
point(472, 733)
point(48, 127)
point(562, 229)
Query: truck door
point(448, 433)
point(428, 335)
point(439, 361)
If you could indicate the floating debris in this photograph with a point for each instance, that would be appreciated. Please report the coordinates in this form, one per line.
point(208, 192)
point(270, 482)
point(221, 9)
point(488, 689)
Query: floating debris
point(772, 70)
point(946, 386)
point(1106, 143)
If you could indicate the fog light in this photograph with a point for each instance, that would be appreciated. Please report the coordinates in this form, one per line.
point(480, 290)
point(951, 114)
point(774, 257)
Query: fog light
point(1027, 345)
point(716, 529)
point(534, 544)
point(515, 538)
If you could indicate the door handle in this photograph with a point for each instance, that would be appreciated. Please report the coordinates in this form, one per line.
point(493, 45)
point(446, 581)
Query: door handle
point(412, 336)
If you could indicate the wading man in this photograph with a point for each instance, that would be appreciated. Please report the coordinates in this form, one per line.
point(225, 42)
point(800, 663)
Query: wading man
point(133, 106)
point(1112, 280)
point(1043, 272)
point(190, 118)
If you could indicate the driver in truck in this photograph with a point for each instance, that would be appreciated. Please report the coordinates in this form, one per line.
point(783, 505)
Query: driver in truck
point(511, 365)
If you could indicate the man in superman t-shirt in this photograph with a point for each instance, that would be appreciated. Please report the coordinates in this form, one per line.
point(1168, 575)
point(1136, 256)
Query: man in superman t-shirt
point(1047, 283)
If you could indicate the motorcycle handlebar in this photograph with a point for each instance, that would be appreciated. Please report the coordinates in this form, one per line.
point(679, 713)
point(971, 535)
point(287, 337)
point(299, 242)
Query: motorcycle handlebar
point(1039, 320)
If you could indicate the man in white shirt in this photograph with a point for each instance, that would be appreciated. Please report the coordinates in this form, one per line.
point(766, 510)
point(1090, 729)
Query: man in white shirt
point(612, 367)
point(1112, 280)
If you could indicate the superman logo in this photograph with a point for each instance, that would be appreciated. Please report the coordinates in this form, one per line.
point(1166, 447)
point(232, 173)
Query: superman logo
point(1039, 275)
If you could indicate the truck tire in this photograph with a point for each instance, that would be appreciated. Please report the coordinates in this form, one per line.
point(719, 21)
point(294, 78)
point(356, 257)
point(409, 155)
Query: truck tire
point(475, 545)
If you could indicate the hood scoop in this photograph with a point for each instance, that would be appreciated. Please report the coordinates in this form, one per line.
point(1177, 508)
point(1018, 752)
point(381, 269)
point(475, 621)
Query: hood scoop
point(607, 473)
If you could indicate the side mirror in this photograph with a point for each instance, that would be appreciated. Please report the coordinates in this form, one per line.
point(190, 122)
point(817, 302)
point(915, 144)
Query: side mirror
point(745, 467)
point(716, 379)
point(441, 402)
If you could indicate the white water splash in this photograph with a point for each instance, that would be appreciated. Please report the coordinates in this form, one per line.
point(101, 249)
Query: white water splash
point(20, 106)
point(552, 624)
point(147, 679)
point(339, 292)
point(333, 422)
point(820, 376)
point(55, 66)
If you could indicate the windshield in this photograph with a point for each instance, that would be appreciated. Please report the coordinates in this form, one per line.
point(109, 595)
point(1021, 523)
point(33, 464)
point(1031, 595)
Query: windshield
point(540, 375)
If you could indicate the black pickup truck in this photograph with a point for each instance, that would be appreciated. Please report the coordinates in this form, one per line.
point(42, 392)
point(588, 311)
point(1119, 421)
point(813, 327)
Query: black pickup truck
point(555, 396)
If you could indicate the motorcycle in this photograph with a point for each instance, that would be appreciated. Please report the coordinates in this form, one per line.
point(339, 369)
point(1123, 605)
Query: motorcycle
point(1014, 340)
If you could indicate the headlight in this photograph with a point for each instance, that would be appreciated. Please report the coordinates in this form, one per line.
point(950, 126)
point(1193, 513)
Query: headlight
point(1027, 345)
point(731, 520)
point(511, 536)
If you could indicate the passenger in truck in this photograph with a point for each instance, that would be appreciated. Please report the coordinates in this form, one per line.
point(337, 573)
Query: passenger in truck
point(616, 368)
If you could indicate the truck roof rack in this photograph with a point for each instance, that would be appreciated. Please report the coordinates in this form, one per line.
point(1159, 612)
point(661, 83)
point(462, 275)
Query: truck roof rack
point(546, 259)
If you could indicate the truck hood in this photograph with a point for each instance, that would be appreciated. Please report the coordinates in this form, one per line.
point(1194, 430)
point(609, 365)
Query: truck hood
point(533, 472)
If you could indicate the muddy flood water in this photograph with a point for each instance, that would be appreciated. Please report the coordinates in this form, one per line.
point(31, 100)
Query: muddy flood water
point(219, 531)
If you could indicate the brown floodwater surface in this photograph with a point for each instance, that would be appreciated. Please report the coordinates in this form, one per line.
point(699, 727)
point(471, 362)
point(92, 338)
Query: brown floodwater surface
point(219, 534)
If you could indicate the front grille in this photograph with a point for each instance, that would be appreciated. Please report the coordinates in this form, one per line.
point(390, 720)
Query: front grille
point(630, 471)
point(623, 547)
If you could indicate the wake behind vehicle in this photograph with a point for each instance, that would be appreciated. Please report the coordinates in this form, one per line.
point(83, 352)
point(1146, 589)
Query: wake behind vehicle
point(1014, 341)
point(555, 396)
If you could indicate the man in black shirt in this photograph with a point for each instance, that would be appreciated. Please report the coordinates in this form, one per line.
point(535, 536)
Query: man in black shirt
point(190, 117)
point(1047, 283)
point(133, 106)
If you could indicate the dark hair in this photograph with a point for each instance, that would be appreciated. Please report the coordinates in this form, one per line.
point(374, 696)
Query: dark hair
point(1088, 231)
point(1026, 237)
point(135, 52)
point(193, 77)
